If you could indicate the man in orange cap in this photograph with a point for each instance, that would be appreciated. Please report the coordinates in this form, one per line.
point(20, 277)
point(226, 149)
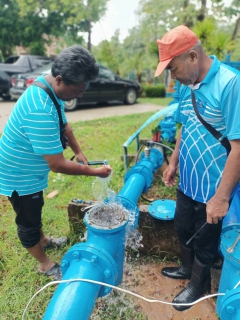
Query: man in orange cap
point(209, 174)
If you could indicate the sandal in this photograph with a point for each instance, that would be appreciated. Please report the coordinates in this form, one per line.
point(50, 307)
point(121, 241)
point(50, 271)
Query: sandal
point(56, 243)
point(53, 273)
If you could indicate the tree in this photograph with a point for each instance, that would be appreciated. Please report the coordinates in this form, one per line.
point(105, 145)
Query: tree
point(214, 40)
point(93, 11)
point(36, 22)
point(110, 53)
point(10, 34)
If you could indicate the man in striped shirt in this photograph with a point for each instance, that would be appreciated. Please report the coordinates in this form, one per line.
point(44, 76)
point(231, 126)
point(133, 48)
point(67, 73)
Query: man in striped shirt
point(31, 146)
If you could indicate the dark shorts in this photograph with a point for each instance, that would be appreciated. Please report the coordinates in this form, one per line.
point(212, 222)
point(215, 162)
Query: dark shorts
point(190, 215)
point(28, 211)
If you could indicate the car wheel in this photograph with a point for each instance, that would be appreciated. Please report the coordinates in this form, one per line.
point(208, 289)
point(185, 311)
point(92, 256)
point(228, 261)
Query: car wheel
point(131, 96)
point(71, 105)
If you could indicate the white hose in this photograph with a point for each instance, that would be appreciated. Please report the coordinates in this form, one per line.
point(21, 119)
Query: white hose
point(122, 290)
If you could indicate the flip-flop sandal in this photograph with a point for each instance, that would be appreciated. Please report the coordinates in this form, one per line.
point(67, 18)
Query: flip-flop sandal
point(53, 273)
point(56, 243)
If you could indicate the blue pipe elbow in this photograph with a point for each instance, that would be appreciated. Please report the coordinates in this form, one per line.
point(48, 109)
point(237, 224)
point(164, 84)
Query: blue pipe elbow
point(101, 259)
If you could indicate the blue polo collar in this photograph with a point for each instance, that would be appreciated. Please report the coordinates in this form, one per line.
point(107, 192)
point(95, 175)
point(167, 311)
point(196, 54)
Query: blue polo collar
point(211, 73)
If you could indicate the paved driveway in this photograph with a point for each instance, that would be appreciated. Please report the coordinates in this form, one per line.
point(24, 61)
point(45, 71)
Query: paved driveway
point(86, 113)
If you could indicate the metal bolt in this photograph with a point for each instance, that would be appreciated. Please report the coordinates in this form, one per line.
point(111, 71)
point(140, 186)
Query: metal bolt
point(231, 249)
point(230, 309)
point(107, 273)
point(76, 255)
point(227, 236)
point(65, 264)
point(93, 259)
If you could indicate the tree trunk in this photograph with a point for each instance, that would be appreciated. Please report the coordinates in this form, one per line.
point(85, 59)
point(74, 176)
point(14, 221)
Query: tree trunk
point(201, 15)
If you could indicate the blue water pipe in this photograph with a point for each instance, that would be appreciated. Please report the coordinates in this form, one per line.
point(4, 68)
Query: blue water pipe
point(228, 306)
point(168, 127)
point(101, 257)
point(139, 179)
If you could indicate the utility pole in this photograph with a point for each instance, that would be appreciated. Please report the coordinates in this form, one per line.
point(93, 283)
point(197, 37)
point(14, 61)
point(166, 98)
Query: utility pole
point(87, 4)
point(89, 45)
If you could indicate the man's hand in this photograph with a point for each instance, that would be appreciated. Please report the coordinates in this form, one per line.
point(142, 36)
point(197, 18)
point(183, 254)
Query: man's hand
point(216, 209)
point(104, 171)
point(169, 176)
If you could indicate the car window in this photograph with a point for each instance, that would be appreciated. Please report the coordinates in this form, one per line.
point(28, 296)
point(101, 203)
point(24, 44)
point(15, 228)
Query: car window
point(11, 59)
point(106, 74)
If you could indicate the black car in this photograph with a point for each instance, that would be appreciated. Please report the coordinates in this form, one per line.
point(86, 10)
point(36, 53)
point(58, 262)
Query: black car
point(5, 84)
point(107, 87)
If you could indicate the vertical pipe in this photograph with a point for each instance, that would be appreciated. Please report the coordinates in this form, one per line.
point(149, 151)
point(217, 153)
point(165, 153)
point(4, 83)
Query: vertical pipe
point(228, 305)
point(96, 260)
point(75, 300)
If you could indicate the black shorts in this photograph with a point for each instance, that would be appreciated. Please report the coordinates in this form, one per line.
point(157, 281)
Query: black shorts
point(29, 212)
point(190, 216)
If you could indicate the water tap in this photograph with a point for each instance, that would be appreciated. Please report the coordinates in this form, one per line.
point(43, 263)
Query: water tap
point(147, 152)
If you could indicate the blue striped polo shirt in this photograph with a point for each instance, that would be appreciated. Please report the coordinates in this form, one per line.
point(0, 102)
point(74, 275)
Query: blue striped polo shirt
point(201, 157)
point(32, 131)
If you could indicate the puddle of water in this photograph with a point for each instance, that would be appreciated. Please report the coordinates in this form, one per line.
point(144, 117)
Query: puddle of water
point(146, 280)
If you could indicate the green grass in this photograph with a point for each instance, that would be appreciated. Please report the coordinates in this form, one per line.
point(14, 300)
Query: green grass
point(157, 101)
point(19, 280)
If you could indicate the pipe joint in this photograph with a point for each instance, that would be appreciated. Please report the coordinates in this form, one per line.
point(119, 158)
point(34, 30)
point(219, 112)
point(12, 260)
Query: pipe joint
point(142, 170)
point(229, 307)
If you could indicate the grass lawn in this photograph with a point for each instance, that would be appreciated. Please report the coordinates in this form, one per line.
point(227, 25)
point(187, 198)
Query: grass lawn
point(158, 101)
point(19, 280)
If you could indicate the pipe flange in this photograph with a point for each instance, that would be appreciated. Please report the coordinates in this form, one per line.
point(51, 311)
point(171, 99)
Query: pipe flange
point(230, 308)
point(96, 255)
point(106, 218)
point(144, 171)
point(163, 209)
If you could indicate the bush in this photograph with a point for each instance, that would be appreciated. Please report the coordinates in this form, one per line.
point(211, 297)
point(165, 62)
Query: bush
point(153, 91)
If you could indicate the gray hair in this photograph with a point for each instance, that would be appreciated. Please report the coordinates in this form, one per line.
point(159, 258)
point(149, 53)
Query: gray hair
point(75, 64)
point(197, 47)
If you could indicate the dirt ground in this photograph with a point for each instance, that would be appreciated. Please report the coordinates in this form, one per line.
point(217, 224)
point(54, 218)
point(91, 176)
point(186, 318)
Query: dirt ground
point(147, 280)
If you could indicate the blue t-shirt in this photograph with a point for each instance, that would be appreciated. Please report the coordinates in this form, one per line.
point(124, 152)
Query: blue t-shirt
point(32, 131)
point(201, 157)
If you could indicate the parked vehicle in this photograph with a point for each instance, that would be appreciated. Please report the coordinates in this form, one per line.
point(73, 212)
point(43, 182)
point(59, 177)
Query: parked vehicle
point(21, 81)
point(5, 84)
point(20, 64)
point(107, 87)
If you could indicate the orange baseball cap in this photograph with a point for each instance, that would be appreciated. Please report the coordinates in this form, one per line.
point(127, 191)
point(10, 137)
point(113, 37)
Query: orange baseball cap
point(175, 42)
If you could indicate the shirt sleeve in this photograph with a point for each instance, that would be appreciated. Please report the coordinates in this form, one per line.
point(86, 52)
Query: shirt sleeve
point(231, 109)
